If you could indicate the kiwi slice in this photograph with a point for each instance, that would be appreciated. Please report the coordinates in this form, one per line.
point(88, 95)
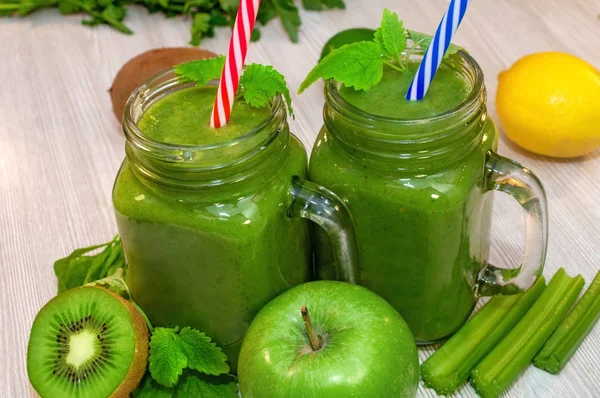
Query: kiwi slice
point(87, 342)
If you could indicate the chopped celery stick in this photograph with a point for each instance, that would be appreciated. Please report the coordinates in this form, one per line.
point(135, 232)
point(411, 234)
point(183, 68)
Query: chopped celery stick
point(563, 343)
point(451, 365)
point(511, 356)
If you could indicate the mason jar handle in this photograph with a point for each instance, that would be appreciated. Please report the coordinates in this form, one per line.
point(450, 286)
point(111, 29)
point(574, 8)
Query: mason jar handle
point(319, 204)
point(510, 177)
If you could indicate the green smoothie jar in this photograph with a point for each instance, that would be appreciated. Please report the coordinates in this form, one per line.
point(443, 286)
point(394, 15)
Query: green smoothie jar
point(414, 176)
point(213, 222)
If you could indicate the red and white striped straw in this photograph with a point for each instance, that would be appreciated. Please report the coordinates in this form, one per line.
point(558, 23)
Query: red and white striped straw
point(234, 62)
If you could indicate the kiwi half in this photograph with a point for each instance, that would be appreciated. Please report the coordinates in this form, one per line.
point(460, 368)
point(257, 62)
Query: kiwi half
point(87, 343)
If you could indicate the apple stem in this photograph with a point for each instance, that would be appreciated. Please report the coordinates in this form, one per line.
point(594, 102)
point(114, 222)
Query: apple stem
point(314, 340)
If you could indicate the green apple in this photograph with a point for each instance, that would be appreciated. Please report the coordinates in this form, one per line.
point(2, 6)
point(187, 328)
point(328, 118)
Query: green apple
point(351, 343)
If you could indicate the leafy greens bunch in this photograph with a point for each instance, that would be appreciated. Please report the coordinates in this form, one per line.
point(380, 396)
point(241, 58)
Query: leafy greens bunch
point(360, 64)
point(183, 362)
point(205, 14)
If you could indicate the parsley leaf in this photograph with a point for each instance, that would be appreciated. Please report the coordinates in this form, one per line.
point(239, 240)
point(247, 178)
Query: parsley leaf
point(260, 83)
point(318, 5)
point(390, 35)
point(423, 41)
point(172, 351)
point(166, 360)
point(290, 18)
point(200, 71)
point(201, 26)
point(357, 65)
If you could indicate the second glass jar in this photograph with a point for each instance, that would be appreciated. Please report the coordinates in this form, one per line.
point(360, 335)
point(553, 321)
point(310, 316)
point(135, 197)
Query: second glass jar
point(416, 189)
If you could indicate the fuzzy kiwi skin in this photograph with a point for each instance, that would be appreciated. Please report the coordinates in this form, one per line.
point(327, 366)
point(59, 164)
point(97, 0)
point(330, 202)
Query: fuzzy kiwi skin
point(145, 65)
point(140, 358)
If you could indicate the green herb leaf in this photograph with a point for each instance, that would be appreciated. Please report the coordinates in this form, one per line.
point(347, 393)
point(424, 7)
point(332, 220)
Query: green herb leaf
point(260, 83)
point(149, 388)
point(194, 385)
point(266, 12)
point(346, 37)
point(390, 35)
point(357, 65)
point(77, 269)
point(167, 360)
point(201, 27)
point(229, 5)
point(290, 18)
point(423, 41)
point(172, 351)
point(201, 71)
point(202, 355)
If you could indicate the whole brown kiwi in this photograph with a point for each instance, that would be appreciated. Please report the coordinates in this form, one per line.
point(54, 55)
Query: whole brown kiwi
point(140, 68)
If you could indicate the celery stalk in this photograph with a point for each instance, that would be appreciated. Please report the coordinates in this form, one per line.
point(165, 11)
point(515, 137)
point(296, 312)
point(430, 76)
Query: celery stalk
point(563, 343)
point(451, 365)
point(510, 357)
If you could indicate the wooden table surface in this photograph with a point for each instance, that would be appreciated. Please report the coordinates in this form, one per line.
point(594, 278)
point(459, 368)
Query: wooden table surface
point(61, 146)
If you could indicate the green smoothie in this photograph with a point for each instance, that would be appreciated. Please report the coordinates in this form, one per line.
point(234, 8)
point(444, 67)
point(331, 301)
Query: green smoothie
point(422, 228)
point(182, 118)
point(208, 248)
point(447, 91)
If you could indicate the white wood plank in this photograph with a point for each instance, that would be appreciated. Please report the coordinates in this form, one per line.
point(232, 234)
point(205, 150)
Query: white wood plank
point(60, 146)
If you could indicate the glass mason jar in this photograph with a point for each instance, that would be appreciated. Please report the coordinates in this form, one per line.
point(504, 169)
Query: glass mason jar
point(212, 233)
point(416, 190)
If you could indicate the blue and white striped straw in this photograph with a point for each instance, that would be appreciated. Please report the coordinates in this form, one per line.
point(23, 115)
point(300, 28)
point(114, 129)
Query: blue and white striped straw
point(436, 50)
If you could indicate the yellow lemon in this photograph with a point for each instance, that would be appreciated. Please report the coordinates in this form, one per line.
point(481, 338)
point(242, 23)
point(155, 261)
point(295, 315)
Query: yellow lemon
point(549, 103)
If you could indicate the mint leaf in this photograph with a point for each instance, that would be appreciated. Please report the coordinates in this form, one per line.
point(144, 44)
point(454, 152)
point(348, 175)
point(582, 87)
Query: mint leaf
point(390, 35)
point(167, 360)
point(194, 385)
point(202, 355)
point(201, 71)
point(423, 41)
point(149, 388)
point(357, 65)
point(260, 83)
point(172, 351)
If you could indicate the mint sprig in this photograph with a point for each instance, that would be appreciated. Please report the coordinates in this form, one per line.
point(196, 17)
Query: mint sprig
point(360, 64)
point(258, 83)
point(191, 384)
point(172, 351)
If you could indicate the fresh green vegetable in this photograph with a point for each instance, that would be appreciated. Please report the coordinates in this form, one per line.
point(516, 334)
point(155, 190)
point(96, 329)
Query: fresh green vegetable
point(258, 83)
point(346, 37)
point(191, 384)
point(172, 350)
point(569, 335)
point(510, 357)
point(360, 63)
point(206, 14)
point(451, 365)
point(79, 269)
